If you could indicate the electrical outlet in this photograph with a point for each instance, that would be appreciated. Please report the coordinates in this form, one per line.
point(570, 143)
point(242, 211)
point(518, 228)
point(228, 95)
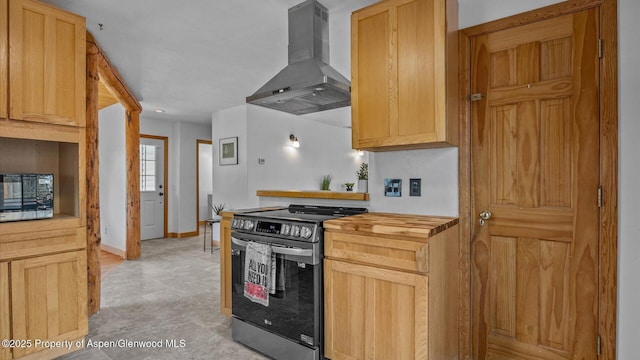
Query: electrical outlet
point(260, 161)
point(106, 230)
point(415, 187)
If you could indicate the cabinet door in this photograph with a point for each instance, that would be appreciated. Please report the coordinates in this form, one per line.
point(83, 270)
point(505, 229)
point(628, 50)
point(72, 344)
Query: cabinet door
point(372, 92)
point(5, 330)
point(47, 64)
point(4, 59)
point(373, 313)
point(49, 298)
point(225, 263)
point(404, 75)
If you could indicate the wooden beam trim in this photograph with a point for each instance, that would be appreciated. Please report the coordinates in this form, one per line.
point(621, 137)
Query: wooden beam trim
point(464, 181)
point(608, 275)
point(548, 12)
point(132, 143)
point(112, 79)
point(92, 183)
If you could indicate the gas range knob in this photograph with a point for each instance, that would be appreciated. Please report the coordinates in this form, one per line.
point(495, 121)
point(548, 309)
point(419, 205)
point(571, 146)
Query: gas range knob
point(285, 230)
point(234, 223)
point(305, 232)
point(249, 224)
point(295, 230)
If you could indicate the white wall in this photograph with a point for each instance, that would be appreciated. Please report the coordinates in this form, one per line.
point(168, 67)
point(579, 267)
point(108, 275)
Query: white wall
point(205, 164)
point(113, 176)
point(182, 168)
point(264, 134)
point(230, 182)
point(629, 173)
point(438, 169)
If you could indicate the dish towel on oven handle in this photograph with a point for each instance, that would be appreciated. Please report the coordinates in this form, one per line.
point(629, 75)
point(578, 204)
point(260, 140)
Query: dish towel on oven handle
point(259, 272)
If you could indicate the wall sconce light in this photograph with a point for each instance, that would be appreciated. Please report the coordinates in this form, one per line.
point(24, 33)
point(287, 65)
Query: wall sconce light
point(294, 141)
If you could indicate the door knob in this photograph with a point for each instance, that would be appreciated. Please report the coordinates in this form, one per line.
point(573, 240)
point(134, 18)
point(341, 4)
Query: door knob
point(161, 194)
point(484, 216)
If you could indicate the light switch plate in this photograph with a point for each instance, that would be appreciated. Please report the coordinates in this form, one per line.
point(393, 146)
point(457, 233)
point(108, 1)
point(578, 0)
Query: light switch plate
point(415, 187)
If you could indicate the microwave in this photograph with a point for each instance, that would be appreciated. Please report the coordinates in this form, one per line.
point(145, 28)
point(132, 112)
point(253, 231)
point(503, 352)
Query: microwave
point(26, 197)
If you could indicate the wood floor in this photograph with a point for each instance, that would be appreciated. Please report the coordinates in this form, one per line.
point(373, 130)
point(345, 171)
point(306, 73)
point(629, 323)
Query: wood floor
point(108, 262)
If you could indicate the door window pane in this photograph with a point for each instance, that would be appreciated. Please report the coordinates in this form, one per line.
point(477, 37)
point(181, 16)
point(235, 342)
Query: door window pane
point(147, 168)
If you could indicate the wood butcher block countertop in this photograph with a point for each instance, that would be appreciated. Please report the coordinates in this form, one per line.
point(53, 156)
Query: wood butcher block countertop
point(406, 225)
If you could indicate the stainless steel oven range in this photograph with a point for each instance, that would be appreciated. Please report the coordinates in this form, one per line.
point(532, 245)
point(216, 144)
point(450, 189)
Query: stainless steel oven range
point(290, 326)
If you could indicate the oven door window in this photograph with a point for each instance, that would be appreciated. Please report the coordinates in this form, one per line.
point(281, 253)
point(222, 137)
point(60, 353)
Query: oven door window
point(295, 306)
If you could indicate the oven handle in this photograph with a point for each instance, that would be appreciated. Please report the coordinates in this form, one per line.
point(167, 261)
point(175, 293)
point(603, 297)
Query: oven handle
point(278, 249)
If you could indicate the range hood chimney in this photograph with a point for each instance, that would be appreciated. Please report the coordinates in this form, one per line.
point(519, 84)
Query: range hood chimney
point(308, 84)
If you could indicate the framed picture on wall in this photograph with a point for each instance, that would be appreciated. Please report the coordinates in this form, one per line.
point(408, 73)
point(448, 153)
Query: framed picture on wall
point(229, 151)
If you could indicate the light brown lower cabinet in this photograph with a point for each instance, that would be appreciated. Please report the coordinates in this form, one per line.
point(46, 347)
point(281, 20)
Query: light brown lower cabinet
point(391, 287)
point(374, 313)
point(48, 300)
point(5, 330)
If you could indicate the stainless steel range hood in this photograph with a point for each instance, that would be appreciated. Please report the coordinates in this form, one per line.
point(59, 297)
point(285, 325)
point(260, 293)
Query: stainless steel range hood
point(308, 84)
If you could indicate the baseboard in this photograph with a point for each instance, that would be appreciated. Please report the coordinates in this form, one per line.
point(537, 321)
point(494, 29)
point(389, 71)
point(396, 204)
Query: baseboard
point(114, 251)
point(183, 235)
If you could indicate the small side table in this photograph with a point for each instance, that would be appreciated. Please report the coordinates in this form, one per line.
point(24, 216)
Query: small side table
point(208, 222)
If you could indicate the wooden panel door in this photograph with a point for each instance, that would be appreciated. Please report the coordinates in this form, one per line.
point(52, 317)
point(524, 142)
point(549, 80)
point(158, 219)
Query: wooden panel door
point(49, 298)
point(4, 58)
point(373, 313)
point(535, 168)
point(5, 314)
point(47, 64)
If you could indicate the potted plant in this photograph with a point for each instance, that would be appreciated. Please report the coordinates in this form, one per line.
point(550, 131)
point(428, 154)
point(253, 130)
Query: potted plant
point(363, 178)
point(349, 186)
point(216, 211)
point(326, 182)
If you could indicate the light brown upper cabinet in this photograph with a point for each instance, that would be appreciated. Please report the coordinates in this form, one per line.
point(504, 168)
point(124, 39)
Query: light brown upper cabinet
point(47, 64)
point(404, 92)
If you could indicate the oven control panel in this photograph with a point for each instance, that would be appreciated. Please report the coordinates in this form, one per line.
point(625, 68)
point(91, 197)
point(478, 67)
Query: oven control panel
point(284, 229)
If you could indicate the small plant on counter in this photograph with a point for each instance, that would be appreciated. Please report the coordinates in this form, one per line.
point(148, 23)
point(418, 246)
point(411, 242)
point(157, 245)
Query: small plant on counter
point(326, 182)
point(363, 172)
point(349, 186)
point(217, 209)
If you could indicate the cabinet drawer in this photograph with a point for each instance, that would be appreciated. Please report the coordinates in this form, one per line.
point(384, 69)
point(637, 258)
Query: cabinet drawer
point(378, 251)
point(21, 245)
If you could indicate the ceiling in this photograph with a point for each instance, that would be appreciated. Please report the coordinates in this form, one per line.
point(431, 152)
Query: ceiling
point(194, 60)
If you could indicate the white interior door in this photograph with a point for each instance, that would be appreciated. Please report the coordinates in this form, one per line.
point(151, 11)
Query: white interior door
point(152, 188)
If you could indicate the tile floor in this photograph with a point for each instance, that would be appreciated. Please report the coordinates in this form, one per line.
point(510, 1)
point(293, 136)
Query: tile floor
point(171, 292)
